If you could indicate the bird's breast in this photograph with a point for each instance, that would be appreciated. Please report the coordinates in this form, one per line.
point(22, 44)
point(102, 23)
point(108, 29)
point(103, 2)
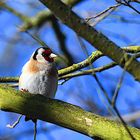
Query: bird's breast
point(39, 83)
point(39, 78)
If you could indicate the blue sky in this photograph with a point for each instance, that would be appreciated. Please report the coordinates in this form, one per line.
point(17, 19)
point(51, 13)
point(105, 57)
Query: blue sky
point(17, 47)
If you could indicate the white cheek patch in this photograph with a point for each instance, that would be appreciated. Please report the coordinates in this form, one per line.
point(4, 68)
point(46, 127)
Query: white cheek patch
point(39, 56)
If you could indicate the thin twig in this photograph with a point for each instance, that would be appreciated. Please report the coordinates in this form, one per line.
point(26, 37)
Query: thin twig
point(123, 122)
point(37, 39)
point(41, 42)
point(130, 117)
point(35, 130)
point(128, 3)
point(15, 123)
point(103, 12)
point(64, 81)
point(114, 98)
point(62, 41)
point(94, 75)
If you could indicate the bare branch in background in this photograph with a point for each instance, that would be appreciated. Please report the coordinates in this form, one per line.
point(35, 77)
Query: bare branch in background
point(62, 41)
point(99, 17)
point(128, 3)
point(115, 96)
point(130, 117)
point(15, 123)
point(13, 11)
point(37, 20)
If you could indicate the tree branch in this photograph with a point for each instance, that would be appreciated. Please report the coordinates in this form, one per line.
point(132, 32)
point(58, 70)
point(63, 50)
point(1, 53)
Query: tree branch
point(43, 16)
point(90, 71)
point(102, 15)
point(15, 12)
point(67, 72)
point(63, 114)
point(93, 57)
point(37, 20)
point(109, 49)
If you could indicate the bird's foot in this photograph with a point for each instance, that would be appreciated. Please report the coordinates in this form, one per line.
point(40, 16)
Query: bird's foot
point(24, 90)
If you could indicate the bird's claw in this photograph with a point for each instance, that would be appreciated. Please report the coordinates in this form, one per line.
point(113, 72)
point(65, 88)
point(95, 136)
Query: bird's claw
point(24, 90)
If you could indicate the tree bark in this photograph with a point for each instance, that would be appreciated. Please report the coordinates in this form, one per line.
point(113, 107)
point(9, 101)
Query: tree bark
point(63, 114)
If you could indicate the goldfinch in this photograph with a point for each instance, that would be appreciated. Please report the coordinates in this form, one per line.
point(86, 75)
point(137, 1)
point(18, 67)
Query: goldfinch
point(39, 74)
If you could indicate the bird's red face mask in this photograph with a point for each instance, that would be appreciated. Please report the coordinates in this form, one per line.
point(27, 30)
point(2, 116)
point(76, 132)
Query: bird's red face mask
point(48, 55)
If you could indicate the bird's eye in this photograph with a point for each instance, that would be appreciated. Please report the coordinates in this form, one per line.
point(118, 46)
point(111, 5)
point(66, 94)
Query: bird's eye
point(44, 54)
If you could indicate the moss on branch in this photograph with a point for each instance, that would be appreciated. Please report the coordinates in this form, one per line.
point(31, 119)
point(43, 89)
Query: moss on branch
point(93, 57)
point(94, 70)
point(88, 72)
point(63, 114)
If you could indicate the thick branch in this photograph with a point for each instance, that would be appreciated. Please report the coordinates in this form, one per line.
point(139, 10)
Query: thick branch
point(110, 49)
point(63, 114)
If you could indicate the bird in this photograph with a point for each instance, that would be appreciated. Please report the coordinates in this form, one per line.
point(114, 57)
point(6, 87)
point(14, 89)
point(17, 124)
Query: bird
point(39, 75)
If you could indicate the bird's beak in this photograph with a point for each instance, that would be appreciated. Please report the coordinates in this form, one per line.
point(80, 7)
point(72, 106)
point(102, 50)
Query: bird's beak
point(53, 55)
